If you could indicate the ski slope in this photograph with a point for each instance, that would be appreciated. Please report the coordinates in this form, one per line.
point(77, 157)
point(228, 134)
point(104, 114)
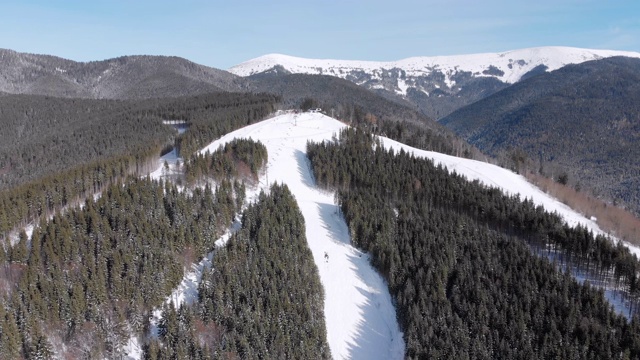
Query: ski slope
point(360, 318)
point(506, 180)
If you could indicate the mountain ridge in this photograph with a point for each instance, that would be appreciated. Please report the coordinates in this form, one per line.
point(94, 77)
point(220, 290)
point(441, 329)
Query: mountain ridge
point(130, 77)
point(437, 85)
point(582, 118)
point(553, 57)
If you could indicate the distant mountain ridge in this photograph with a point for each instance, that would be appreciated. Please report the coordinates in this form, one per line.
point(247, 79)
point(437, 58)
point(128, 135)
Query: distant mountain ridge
point(436, 85)
point(584, 118)
point(126, 77)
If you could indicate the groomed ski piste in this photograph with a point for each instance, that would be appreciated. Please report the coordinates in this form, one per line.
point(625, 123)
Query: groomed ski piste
point(360, 317)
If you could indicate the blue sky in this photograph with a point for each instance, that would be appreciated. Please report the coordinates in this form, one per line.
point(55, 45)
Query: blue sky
point(222, 34)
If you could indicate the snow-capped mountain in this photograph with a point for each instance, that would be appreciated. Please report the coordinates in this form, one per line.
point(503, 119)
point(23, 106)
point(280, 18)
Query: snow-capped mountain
point(439, 84)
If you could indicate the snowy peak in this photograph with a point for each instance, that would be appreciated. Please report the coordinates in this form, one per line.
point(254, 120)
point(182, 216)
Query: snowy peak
point(437, 85)
point(507, 66)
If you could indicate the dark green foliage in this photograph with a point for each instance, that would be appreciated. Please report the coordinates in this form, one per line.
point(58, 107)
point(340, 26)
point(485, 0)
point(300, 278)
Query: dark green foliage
point(101, 266)
point(42, 135)
point(117, 138)
point(88, 276)
point(10, 342)
point(239, 158)
point(211, 116)
point(42, 197)
point(581, 119)
point(264, 289)
point(457, 260)
point(307, 104)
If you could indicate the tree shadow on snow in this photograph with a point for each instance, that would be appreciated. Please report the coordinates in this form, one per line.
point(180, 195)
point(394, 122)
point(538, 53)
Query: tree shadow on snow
point(367, 339)
point(373, 333)
point(331, 219)
point(378, 326)
point(304, 168)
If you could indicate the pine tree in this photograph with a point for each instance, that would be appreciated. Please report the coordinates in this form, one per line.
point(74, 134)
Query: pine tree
point(20, 252)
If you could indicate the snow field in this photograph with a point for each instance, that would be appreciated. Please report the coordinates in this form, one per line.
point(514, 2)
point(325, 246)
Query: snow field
point(513, 64)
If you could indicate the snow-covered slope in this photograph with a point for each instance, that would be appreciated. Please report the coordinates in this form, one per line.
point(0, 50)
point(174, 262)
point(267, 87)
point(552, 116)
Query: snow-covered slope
point(360, 317)
point(437, 85)
point(361, 320)
point(507, 66)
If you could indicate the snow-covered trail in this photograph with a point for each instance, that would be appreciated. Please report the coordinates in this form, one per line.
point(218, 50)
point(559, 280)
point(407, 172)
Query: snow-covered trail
point(505, 180)
point(361, 320)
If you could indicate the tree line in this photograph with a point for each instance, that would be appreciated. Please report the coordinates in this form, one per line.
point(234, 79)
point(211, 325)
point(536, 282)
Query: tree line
point(261, 300)
point(457, 258)
point(117, 138)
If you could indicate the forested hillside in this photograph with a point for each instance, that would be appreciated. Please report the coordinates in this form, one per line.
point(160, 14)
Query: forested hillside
point(89, 277)
point(459, 262)
point(126, 77)
point(44, 135)
point(261, 300)
point(57, 151)
point(579, 124)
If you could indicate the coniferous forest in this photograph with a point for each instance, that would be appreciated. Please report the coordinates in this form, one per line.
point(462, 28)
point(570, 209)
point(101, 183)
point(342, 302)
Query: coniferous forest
point(92, 143)
point(239, 158)
point(458, 260)
point(93, 270)
point(89, 277)
point(109, 244)
point(262, 299)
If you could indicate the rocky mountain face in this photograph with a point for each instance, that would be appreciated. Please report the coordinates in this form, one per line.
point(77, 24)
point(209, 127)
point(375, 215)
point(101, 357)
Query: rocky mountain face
point(584, 119)
point(127, 77)
point(438, 85)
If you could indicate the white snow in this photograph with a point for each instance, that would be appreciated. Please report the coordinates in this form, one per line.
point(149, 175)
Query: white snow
point(172, 160)
point(133, 349)
point(508, 181)
point(186, 292)
point(360, 317)
point(514, 63)
point(403, 86)
point(358, 310)
point(361, 320)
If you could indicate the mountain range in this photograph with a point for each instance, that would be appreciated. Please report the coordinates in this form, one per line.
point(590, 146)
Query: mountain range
point(581, 120)
point(498, 102)
point(436, 85)
point(127, 77)
point(261, 230)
